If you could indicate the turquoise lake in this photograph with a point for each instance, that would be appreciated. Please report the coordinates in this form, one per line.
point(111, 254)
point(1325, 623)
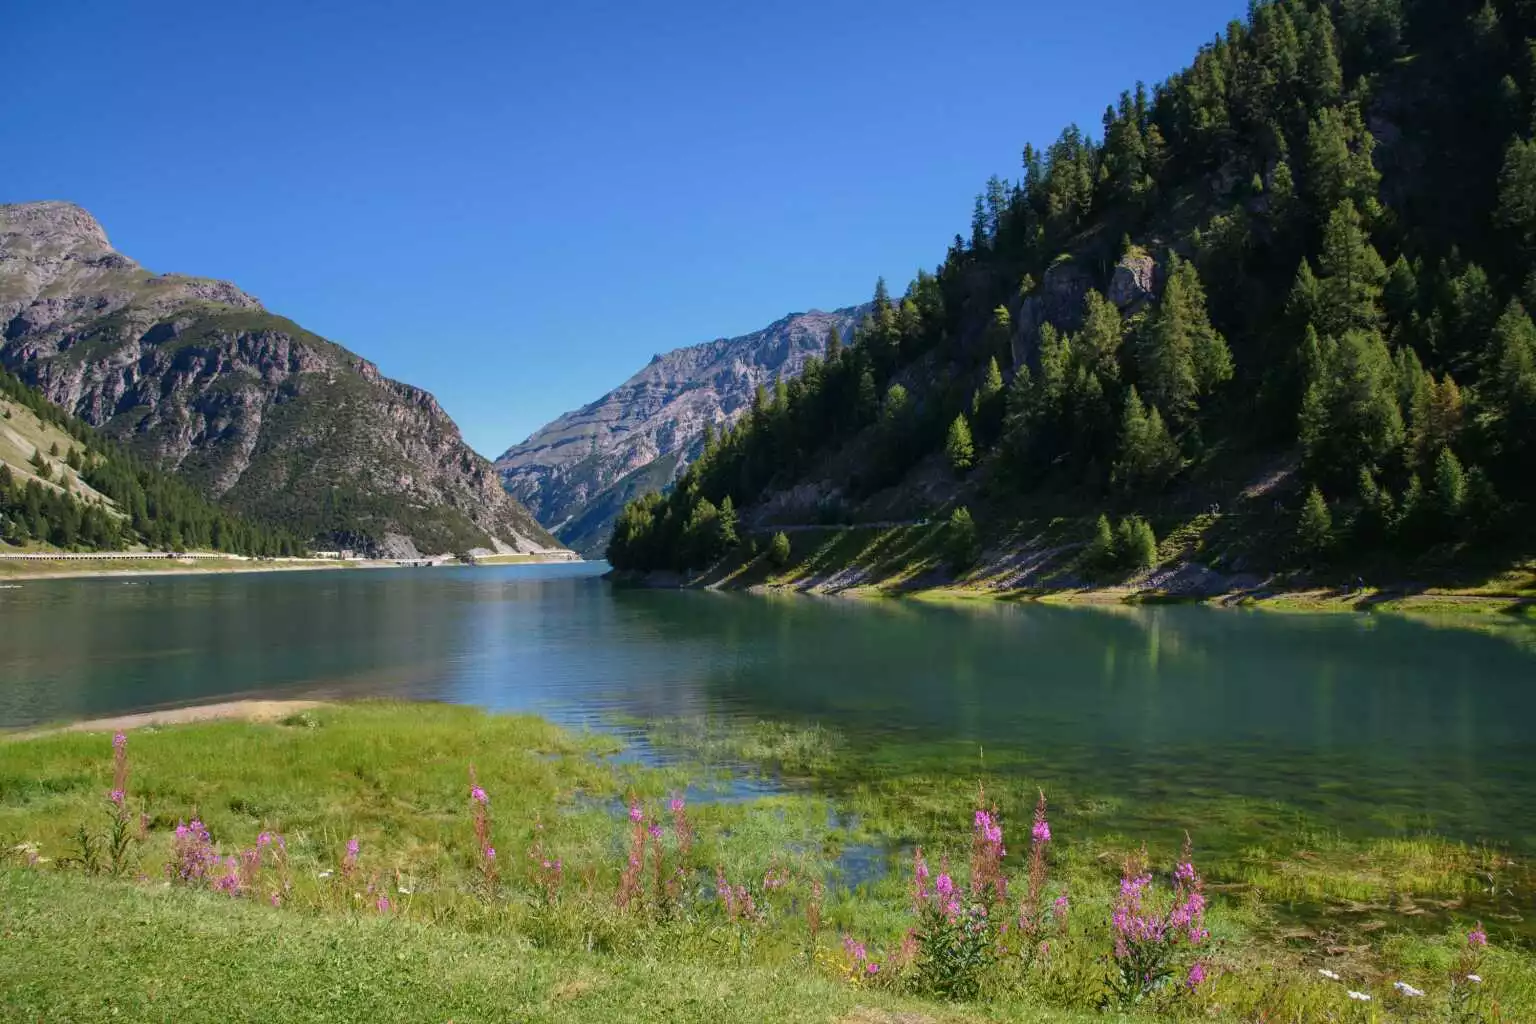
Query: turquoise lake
point(1363, 724)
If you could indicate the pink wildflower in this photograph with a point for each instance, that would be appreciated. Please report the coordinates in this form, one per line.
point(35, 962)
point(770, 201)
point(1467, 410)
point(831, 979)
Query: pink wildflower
point(654, 830)
point(1196, 975)
point(382, 905)
point(1477, 938)
point(478, 795)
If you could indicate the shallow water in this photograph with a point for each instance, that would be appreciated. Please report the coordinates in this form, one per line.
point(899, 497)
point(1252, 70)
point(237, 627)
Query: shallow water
point(1364, 724)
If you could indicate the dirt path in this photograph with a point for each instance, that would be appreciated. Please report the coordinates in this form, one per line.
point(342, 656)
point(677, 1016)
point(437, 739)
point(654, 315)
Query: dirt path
point(244, 710)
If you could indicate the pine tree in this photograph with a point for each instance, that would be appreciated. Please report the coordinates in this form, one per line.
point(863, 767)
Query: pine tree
point(1351, 276)
point(834, 346)
point(1511, 378)
point(961, 544)
point(1099, 555)
point(1148, 455)
point(1182, 357)
point(726, 525)
point(778, 550)
point(894, 409)
point(1450, 492)
point(991, 384)
point(1516, 212)
point(958, 447)
point(1350, 417)
point(1314, 528)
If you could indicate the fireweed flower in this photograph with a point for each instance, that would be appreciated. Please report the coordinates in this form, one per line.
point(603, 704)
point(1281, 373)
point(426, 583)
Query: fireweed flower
point(119, 792)
point(675, 805)
point(1477, 938)
point(1059, 908)
point(478, 795)
point(636, 814)
point(1196, 975)
point(490, 853)
point(383, 904)
point(654, 830)
point(1041, 832)
point(919, 878)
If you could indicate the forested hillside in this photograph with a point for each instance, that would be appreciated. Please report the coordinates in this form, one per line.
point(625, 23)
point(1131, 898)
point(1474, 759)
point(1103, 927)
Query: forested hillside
point(1293, 280)
point(88, 493)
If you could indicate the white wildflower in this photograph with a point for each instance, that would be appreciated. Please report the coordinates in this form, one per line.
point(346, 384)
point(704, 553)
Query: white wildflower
point(1361, 996)
point(1474, 979)
point(1407, 989)
point(325, 874)
point(1325, 972)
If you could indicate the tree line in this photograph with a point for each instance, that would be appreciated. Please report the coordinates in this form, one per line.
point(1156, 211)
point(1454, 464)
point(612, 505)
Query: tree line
point(148, 507)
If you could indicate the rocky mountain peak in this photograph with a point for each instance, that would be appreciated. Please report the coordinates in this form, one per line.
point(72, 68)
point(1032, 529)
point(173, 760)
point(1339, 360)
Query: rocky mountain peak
point(653, 422)
point(51, 225)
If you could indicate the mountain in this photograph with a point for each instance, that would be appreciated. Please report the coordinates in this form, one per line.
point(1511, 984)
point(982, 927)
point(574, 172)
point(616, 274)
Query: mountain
point(576, 473)
point(1278, 315)
point(273, 421)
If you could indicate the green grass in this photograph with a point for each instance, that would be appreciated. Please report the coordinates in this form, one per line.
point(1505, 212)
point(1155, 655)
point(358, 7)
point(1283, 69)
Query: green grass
point(82, 945)
point(85, 950)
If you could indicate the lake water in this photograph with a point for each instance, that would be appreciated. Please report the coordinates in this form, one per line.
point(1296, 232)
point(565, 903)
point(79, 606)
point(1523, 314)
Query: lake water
point(1364, 724)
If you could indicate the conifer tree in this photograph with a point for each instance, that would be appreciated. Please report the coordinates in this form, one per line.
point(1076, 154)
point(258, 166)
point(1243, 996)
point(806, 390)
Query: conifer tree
point(1516, 211)
point(1314, 527)
point(1148, 455)
point(1350, 417)
point(1182, 357)
point(1450, 486)
point(961, 544)
point(958, 447)
point(778, 550)
point(1351, 276)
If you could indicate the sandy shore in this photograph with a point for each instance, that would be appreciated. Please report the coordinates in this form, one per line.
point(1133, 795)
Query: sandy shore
point(244, 710)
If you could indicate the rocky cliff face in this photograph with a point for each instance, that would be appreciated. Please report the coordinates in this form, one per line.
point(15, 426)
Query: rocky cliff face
point(564, 472)
point(265, 416)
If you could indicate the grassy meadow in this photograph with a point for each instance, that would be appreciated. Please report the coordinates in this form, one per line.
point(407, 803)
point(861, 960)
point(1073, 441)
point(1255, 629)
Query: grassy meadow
point(383, 861)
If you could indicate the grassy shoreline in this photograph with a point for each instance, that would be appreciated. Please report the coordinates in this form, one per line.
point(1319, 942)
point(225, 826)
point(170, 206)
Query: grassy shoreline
point(564, 943)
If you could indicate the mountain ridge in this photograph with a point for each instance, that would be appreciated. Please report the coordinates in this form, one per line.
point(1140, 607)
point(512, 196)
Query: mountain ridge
point(566, 468)
point(267, 417)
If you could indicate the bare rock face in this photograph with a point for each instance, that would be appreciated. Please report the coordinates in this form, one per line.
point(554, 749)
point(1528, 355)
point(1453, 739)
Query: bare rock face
point(273, 420)
point(568, 466)
point(1058, 302)
point(1133, 283)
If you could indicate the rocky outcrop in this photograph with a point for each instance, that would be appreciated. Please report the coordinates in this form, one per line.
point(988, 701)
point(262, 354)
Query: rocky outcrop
point(271, 419)
point(582, 462)
point(1133, 282)
point(1059, 300)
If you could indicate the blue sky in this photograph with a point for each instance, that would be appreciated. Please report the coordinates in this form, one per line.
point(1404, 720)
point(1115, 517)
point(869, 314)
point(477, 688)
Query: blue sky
point(514, 205)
